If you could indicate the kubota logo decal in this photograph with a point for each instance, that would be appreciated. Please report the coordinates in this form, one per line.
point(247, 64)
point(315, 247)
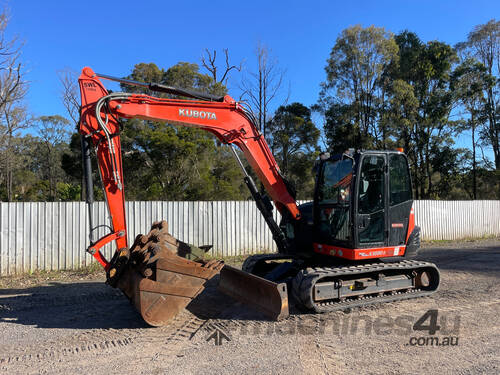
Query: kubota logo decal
point(197, 114)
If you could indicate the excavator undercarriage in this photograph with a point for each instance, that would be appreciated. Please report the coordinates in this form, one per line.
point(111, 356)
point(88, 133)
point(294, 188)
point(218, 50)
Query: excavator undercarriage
point(343, 285)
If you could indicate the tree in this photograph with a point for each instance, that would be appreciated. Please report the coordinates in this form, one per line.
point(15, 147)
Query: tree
point(355, 91)
point(403, 115)
point(12, 85)
point(210, 64)
point(483, 43)
point(293, 140)
point(13, 119)
point(384, 91)
point(71, 164)
point(469, 82)
point(260, 88)
point(187, 75)
point(53, 133)
point(291, 130)
point(13, 114)
point(162, 161)
point(341, 130)
point(22, 176)
point(422, 92)
point(70, 97)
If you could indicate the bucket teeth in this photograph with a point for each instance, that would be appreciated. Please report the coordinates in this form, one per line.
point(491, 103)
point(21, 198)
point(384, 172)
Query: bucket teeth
point(162, 276)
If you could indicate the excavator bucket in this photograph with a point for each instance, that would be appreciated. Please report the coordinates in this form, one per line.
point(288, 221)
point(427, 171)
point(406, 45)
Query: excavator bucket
point(260, 294)
point(158, 280)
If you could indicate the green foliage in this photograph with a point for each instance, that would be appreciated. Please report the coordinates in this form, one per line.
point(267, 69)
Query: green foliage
point(354, 94)
point(292, 131)
point(183, 74)
point(167, 162)
point(71, 159)
point(68, 192)
point(384, 91)
point(422, 95)
point(381, 91)
point(342, 130)
point(294, 143)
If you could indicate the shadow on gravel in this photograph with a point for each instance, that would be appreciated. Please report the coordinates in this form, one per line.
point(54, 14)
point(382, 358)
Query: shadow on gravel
point(481, 259)
point(80, 305)
point(94, 305)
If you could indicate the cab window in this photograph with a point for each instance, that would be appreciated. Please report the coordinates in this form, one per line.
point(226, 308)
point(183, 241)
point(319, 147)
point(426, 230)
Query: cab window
point(335, 182)
point(371, 187)
point(333, 197)
point(399, 180)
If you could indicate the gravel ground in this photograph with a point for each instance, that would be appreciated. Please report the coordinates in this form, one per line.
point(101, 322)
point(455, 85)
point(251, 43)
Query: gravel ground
point(80, 325)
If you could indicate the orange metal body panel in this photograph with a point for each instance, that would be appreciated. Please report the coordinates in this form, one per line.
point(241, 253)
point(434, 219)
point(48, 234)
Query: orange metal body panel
point(358, 254)
point(411, 224)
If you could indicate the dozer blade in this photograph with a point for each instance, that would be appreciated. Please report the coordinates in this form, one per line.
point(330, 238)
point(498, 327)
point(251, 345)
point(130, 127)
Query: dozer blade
point(260, 294)
point(159, 282)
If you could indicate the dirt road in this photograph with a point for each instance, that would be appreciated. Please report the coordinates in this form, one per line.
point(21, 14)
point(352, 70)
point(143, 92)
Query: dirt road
point(87, 327)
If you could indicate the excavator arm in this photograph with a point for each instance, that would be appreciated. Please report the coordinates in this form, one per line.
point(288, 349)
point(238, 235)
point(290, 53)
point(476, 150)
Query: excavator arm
point(157, 282)
point(225, 118)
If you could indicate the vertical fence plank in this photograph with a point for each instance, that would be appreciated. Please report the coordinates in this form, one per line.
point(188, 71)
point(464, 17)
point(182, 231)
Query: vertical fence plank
point(4, 238)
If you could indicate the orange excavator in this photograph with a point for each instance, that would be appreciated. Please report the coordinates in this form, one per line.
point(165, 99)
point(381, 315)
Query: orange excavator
point(352, 245)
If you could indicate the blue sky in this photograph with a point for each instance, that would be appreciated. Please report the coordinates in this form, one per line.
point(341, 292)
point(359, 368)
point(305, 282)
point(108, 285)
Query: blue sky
point(112, 36)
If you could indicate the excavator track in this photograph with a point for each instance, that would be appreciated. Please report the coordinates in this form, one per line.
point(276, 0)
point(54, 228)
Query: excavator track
point(339, 288)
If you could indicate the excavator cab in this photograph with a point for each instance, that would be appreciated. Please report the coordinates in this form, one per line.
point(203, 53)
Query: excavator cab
point(363, 200)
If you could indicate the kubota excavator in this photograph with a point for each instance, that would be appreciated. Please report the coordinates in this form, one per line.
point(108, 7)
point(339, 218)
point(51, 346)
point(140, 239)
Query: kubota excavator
point(352, 246)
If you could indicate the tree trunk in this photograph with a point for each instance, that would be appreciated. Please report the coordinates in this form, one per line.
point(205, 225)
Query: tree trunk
point(493, 133)
point(262, 126)
point(422, 175)
point(474, 181)
point(415, 183)
point(428, 171)
point(9, 183)
point(8, 169)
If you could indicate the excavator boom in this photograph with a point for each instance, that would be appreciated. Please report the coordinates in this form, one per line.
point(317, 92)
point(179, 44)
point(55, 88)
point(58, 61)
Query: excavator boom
point(151, 273)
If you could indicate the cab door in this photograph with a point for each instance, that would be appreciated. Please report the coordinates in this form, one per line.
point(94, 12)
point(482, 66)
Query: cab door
point(332, 207)
point(400, 198)
point(371, 207)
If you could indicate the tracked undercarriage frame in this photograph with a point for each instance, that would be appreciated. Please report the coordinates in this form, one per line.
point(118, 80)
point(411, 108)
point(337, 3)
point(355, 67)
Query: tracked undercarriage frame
point(344, 286)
